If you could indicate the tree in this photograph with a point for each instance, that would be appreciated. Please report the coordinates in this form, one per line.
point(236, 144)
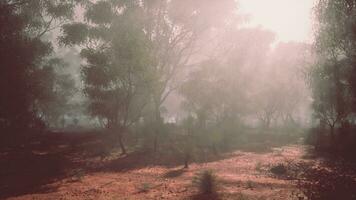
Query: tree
point(58, 88)
point(23, 56)
point(171, 29)
point(332, 77)
point(15, 110)
point(255, 89)
point(288, 62)
point(174, 28)
point(117, 53)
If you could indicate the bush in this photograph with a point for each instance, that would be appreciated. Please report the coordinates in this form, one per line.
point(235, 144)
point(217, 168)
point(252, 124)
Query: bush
point(279, 169)
point(206, 182)
point(78, 174)
point(144, 187)
point(250, 184)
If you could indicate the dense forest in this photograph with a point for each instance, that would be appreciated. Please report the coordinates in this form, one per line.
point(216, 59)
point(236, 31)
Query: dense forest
point(174, 99)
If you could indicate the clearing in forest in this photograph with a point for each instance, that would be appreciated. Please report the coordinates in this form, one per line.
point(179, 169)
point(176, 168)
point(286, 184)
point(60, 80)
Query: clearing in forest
point(240, 175)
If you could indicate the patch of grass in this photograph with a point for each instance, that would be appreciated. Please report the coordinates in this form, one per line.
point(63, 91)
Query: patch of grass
point(78, 174)
point(145, 187)
point(279, 169)
point(206, 182)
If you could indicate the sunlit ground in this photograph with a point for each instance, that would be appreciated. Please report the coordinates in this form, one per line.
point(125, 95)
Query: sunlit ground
point(240, 175)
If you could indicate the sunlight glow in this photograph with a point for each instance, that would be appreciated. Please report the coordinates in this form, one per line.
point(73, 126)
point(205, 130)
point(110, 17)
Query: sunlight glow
point(291, 20)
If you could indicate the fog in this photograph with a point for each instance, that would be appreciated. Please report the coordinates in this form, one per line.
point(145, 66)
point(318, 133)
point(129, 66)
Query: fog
point(254, 49)
point(177, 99)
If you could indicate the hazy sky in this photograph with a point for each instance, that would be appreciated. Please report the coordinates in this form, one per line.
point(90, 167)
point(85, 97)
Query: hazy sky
point(290, 19)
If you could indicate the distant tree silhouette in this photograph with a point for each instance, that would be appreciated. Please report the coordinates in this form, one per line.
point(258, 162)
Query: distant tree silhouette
point(174, 28)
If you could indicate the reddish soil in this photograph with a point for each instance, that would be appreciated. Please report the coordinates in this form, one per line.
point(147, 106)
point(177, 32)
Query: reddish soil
point(241, 175)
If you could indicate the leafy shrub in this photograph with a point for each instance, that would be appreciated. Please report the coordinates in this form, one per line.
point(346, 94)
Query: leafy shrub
point(206, 182)
point(279, 169)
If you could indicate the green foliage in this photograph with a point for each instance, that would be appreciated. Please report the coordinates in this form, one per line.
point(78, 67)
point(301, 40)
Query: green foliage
point(74, 33)
point(332, 76)
point(100, 13)
point(115, 71)
point(28, 76)
point(134, 52)
point(60, 9)
point(117, 53)
point(13, 42)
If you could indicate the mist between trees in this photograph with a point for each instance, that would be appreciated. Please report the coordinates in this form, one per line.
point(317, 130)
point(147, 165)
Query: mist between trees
point(178, 73)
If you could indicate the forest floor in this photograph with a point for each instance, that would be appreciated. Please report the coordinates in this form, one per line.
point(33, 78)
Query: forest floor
point(240, 175)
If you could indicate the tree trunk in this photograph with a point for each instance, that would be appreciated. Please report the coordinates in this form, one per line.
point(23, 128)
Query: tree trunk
point(332, 136)
point(157, 127)
point(122, 146)
point(339, 91)
point(186, 161)
point(155, 142)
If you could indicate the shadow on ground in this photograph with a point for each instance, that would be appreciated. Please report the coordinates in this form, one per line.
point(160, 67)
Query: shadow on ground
point(42, 162)
point(25, 172)
point(205, 197)
point(329, 179)
point(175, 173)
point(32, 166)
